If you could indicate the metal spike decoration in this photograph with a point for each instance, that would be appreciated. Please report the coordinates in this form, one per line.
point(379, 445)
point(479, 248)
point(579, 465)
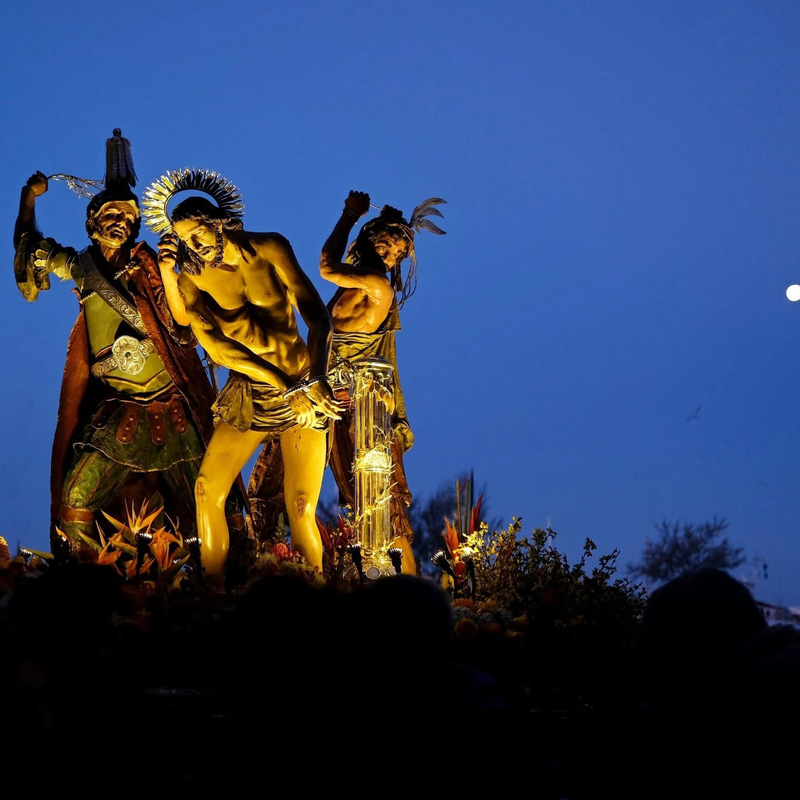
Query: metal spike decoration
point(160, 192)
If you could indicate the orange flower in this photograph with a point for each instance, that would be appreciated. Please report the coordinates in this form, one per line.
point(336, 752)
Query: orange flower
point(517, 637)
point(107, 556)
point(520, 623)
point(326, 534)
point(130, 567)
point(465, 628)
point(160, 547)
point(450, 535)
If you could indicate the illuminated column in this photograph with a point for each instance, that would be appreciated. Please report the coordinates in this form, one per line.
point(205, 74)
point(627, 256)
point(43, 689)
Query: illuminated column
point(372, 463)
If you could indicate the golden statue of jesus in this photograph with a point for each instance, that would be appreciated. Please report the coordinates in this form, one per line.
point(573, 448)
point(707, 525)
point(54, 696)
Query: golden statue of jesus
point(238, 290)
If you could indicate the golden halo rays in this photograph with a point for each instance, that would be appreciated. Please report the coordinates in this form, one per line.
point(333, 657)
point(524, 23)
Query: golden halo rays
point(161, 191)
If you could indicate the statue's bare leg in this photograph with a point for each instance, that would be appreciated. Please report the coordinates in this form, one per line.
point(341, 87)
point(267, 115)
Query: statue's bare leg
point(304, 452)
point(226, 454)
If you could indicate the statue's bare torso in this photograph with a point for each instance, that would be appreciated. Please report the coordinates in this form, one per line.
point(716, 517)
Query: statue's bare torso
point(248, 300)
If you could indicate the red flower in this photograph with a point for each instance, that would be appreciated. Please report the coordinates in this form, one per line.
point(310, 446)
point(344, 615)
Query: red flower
point(475, 517)
point(281, 551)
point(326, 534)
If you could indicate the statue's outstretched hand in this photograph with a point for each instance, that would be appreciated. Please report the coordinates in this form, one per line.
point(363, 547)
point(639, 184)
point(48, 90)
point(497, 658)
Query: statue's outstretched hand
point(168, 252)
point(321, 395)
point(37, 183)
point(357, 204)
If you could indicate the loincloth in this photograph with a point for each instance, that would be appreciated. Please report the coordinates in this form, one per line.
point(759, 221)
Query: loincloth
point(348, 347)
point(261, 407)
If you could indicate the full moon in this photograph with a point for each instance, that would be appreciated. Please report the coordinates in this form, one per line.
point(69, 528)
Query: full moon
point(793, 292)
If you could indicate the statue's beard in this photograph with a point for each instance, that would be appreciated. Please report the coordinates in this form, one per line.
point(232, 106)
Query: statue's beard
point(114, 243)
point(194, 264)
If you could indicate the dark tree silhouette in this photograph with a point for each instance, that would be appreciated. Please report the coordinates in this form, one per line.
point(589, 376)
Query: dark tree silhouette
point(682, 547)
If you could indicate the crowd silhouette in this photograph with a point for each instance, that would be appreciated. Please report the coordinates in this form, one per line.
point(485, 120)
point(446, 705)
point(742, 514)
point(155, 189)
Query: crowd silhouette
point(330, 687)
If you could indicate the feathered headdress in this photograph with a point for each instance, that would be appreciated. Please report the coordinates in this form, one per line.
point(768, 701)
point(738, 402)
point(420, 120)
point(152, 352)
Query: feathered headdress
point(391, 219)
point(419, 222)
point(426, 209)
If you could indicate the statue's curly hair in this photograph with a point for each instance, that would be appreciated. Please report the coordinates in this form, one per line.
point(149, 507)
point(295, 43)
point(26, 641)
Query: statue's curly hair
point(204, 210)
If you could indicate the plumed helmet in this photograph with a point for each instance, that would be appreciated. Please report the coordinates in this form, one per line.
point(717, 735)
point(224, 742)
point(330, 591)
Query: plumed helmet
point(119, 178)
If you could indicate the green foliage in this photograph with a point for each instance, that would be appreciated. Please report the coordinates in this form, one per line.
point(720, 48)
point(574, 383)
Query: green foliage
point(529, 576)
point(563, 631)
point(683, 547)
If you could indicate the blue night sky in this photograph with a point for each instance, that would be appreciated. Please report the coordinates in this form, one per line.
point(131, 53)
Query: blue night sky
point(622, 222)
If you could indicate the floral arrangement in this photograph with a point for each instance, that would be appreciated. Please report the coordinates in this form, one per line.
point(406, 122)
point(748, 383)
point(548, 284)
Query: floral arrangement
point(336, 539)
point(528, 582)
point(548, 624)
point(140, 551)
point(519, 602)
point(276, 557)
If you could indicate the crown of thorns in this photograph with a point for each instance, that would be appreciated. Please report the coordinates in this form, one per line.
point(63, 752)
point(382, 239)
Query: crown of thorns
point(158, 195)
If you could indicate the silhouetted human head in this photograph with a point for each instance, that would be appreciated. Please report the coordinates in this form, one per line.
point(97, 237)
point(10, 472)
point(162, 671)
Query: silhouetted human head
point(398, 627)
point(75, 595)
point(692, 624)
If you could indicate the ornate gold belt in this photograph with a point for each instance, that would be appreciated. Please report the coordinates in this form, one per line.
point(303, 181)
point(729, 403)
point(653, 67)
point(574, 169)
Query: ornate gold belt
point(128, 355)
